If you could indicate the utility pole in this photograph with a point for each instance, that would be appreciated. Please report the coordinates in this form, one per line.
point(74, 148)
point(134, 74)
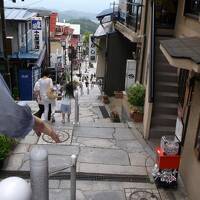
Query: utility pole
point(71, 55)
point(5, 56)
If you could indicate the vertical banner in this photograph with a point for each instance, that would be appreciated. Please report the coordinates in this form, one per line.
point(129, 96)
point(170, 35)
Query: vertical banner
point(92, 51)
point(37, 33)
point(130, 73)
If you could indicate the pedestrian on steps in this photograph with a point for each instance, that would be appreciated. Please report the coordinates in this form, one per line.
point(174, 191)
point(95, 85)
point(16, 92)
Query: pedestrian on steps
point(87, 85)
point(67, 95)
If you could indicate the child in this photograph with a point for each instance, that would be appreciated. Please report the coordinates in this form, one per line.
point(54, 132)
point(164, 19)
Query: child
point(66, 101)
point(81, 87)
point(87, 86)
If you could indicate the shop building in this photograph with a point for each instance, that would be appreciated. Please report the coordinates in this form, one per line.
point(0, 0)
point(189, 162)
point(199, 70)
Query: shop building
point(165, 40)
point(27, 46)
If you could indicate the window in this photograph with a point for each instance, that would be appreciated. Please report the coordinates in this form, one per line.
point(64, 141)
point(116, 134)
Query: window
point(192, 7)
point(197, 142)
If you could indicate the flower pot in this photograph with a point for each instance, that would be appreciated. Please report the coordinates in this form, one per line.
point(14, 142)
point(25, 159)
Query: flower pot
point(136, 116)
point(118, 94)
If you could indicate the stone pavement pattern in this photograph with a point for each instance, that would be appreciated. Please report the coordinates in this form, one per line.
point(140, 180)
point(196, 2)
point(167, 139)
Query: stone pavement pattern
point(102, 147)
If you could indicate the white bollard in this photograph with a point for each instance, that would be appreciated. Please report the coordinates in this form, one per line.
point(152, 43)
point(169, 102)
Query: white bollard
point(39, 174)
point(73, 177)
point(15, 188)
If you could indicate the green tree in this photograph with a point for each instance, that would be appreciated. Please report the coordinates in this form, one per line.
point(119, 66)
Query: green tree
point(86, 37)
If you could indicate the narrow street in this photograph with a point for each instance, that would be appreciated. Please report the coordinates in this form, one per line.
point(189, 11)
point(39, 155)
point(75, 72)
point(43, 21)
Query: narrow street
point(113, 160)
point(106, 152)
point(133, 68)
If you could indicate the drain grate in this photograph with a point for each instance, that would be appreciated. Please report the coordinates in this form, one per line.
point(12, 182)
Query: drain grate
point(65, 137)
point(143, 195)
point(104, 112)
point(62, 136)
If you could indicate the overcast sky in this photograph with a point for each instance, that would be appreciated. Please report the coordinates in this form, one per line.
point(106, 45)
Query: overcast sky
point(91, 6)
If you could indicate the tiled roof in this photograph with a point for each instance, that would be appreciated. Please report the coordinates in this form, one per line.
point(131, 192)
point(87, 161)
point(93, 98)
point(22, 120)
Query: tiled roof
point(18, 14)
point(188, 48)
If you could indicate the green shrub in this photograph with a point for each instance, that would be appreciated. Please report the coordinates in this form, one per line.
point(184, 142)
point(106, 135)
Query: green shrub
point(6, 144)
point(136, 95)
point(15, 93)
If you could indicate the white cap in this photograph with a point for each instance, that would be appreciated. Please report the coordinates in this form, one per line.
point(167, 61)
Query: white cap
point(15, 188)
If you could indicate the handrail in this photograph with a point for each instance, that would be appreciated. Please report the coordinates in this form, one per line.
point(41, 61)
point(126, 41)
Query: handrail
point(152, 55)
point(135, 14)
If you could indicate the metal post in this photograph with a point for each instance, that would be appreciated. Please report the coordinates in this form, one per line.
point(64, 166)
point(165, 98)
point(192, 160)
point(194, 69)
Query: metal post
point(78, 113)
point(56, 65)
point(39, 173)
point(72, 71)
point(76, 121)
point(73, 177)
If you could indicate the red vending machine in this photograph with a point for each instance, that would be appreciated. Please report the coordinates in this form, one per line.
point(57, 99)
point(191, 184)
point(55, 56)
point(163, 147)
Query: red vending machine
point(165, 172)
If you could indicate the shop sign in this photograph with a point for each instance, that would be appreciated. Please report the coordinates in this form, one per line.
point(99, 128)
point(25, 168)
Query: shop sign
point(37, 33)
point(92, 51)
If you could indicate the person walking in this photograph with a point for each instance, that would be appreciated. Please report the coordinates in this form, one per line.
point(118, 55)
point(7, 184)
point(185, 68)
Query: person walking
point(46, 87)
point(65, 107)
point(87, 85)
point(36, 91)
point(40, 104)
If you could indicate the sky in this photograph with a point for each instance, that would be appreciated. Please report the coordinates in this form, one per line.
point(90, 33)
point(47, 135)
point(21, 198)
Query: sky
point(91, 6)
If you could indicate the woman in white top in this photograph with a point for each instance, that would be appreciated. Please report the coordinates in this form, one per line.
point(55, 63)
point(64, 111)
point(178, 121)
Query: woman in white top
point(46, 83)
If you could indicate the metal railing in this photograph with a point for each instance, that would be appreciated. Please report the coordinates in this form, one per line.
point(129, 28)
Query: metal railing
point(132, 15)
point(152, 55)
point(38, 188)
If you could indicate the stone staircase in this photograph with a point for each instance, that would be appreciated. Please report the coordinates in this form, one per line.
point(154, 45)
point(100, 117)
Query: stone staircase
point(164, 114)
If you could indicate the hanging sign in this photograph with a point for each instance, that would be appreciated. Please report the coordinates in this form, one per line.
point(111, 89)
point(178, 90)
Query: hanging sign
point(37, 33)
point(92, 51)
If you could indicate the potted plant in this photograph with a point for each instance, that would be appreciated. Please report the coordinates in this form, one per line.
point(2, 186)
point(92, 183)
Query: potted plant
point(118, 94)
point(6, 145)
point(15, 93)
point(114, 115)
point(136, 96)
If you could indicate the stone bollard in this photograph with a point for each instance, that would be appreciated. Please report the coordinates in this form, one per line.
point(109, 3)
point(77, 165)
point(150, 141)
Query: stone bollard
point(39, 174)
point(73, 177)
point(15, 188)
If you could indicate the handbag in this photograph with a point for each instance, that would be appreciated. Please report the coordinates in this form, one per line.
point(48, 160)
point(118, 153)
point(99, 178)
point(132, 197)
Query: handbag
point(51, 94)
